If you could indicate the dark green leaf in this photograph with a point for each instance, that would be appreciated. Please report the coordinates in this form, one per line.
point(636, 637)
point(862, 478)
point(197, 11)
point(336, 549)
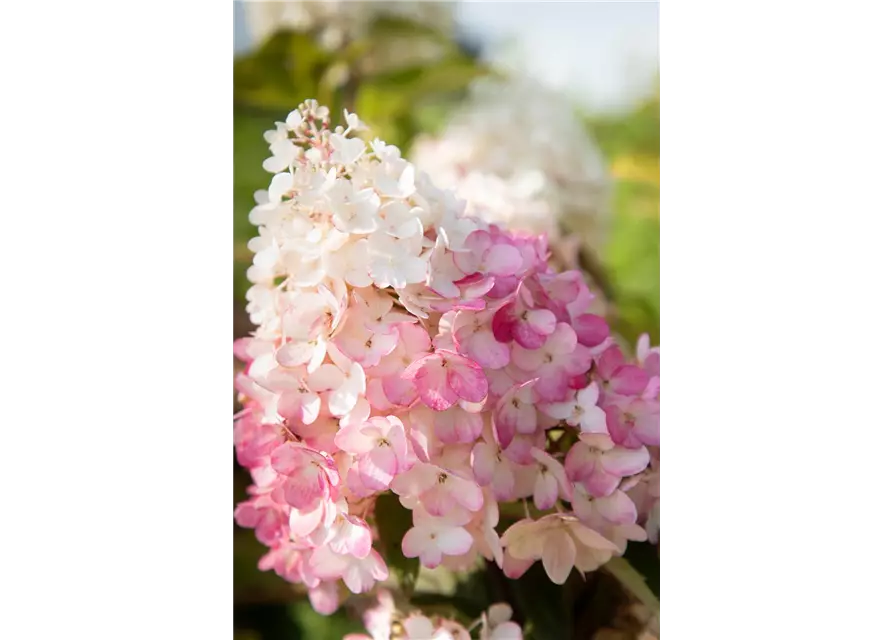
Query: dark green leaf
point(542, 605)
point(634, 582)
point(644, 559)
point(393, 521)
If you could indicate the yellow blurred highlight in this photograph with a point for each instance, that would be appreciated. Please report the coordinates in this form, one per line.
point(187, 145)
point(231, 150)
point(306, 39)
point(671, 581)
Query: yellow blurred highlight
point(643, 169)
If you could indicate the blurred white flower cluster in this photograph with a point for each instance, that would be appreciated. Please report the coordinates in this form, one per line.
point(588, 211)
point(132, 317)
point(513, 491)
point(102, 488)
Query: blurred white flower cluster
point(339, 21)
point(518, 153)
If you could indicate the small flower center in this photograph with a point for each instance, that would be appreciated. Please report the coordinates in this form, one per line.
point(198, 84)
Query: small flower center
point(442, 478)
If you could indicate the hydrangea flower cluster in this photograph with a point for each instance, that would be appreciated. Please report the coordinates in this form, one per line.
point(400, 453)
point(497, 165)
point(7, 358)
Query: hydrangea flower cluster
point(403, 346)
point(338, 21)
point(384, 622)
point(519, 155)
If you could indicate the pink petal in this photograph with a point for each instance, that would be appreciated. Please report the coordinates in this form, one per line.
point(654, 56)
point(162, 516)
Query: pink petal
point(559, 554)
point(617, 508)
point(466, 493)
point(483, 347)
point(415, 541)
point(377, 468)
point(579, 463)
point(601, 483)
point(629, 380)
point(438, 500)
point(304, 407)
point(559, 410)
point(503, 484)
point(294, 354)
point(454, 541)
point(354, 538)
point(431, 381)
point(594, 421)
point(467, 379)
point(502, 260)
point(609, 361)
point(591, 329)
point(507, 631)
point(399, 391)
point(648, 428)
point(288, 457)
point(396, 435)
point(545, 492)
point(458, 426)
point(302, 489)
point(620, 461)
point(327, 564)
point(515, 567)
point(503, 323)
point(324, 599)
point(303, 522)
point(552, 385)
point(483, 463)
point(352, 439)
point(643, 347)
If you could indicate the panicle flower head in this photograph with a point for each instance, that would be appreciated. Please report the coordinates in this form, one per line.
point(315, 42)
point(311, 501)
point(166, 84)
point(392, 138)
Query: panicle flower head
point(405, 346)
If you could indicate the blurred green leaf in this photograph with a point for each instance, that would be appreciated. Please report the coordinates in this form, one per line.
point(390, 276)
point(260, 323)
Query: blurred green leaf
point(317, 627)
point(542, 604)
point(249, 152)
point(393, 26)
point(634, 582)
point(399, 104)
point(393, 521)
point(281, 73)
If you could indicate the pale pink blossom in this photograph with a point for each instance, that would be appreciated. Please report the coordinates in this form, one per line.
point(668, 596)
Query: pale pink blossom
point(473, 335)
point(581, 411)
point(633, 422)
point(561, 541)
point(308, 476)
point(438, 490)
point(359, 574)
point(554, 363)
point(380, 447)
point(431, 539)
point(601, 471)
point(444, 377)
point(551, 481)
point(618, 377)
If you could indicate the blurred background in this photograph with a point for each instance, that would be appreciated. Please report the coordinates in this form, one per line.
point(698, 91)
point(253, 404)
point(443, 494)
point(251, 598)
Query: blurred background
point(408, 69)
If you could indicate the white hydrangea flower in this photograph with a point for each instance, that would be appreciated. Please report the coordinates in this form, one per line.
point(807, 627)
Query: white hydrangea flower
point(340, 215)
point(520, 156)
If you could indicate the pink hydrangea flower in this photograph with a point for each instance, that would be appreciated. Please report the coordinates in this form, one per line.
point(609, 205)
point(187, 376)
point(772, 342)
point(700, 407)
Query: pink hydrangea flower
point(404, 346)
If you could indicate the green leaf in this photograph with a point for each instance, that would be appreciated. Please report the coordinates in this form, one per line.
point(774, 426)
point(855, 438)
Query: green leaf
point(285, 70)
point(542, 604)
point(634, 582)
point(642, 556)
point(393, 521)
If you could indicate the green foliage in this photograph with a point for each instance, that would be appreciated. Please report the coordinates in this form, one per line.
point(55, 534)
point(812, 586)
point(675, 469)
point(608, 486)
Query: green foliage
point(316, 627)
point(642, 556)
point(634, 582)
point(393, 520)
point(542, 604)
point(635, 132)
